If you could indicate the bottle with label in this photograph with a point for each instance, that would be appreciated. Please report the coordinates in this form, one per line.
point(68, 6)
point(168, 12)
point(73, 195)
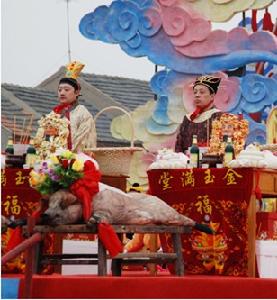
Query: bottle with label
point(31, 155)
point(229, 153)
point(194, 153)
point(9, 149)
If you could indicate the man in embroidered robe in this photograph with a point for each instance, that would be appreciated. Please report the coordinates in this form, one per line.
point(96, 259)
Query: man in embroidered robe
point(199, 122)
point(82, 132)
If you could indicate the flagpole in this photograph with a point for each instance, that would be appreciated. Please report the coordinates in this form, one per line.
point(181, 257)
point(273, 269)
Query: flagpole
point(68, 32)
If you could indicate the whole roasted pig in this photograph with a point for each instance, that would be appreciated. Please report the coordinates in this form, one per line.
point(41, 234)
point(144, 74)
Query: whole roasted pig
point(113, 206)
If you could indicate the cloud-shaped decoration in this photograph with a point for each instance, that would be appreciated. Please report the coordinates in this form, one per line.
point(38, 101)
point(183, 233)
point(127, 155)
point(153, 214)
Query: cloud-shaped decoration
point(121, 22)
point(139, 30)
point(222, 42)
point(184, 27)
point(173, 84)
point(223, 10)
point(160, 113)
point(257, 132)
point(257, 92)
point(158, 83)
point(158, 129)
point(140, 116)
point(93, 26)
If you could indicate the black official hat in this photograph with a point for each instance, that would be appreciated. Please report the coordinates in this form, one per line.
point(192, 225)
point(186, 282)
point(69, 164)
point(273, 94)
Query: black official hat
point(209, 81)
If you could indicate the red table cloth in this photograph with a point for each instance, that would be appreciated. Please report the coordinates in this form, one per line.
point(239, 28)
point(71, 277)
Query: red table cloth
point(218, 197)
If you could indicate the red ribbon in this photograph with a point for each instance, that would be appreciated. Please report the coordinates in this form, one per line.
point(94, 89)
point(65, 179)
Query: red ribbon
point(59, 108)
point(109, 239)
point(86, 187)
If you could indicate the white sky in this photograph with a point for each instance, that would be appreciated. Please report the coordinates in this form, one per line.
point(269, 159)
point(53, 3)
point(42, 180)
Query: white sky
point(34, 42)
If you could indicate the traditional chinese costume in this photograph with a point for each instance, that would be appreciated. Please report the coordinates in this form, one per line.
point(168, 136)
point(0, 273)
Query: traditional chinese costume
point(200, 126)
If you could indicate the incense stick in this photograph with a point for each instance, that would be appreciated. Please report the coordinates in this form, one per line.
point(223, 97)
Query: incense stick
point(28, 129)
point(14, 119)
point(22, 131)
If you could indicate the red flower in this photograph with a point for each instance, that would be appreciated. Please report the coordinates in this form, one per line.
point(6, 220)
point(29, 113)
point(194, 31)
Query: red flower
point(64, 163)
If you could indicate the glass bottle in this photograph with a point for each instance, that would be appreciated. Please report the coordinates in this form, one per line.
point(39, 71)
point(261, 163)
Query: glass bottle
point(194, 153)
point(31, 156)
point(31, 149)
point(229, 153)
point(9, 149)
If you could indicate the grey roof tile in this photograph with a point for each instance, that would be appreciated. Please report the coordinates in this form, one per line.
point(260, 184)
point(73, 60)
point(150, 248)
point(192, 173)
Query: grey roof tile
point(129, 92)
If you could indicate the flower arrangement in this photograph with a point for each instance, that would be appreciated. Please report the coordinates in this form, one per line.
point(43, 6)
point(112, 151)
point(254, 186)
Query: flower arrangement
point(45, 148)
point(59, 172)
point(230, 125)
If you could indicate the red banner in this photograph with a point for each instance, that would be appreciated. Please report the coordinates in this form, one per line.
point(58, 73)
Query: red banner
point(18, 198)
point(218, 197)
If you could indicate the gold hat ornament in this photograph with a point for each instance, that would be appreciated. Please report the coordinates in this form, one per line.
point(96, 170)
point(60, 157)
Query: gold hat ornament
point(74, 69)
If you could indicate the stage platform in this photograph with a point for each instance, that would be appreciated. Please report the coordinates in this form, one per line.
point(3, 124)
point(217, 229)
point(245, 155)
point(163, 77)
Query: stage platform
point(141, 285)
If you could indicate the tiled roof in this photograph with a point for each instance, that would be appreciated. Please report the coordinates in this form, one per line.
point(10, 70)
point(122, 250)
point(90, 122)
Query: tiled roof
point(129, 93)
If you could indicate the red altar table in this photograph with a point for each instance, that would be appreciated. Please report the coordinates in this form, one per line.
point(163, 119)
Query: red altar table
point(222, 198)
point(19, 200)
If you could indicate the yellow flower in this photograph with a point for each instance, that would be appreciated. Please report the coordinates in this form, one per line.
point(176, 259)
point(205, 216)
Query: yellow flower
point(36, 178)
point(54, 159)
point(78, 165)
point(68, 154)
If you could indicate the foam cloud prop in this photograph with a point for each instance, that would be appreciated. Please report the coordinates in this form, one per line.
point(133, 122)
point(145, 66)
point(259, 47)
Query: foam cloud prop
point(142, 28)
point(257, 93)
point(223, 10)
point(257, 131)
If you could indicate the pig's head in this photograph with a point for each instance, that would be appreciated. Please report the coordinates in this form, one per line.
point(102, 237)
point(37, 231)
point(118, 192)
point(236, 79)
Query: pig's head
point(64, 208)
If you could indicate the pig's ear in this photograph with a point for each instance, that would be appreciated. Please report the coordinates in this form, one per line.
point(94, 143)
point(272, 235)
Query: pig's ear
point(68, 200)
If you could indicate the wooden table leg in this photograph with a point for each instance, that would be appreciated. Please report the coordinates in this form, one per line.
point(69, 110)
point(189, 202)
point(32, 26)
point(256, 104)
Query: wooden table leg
point(102, 259)
point(116, 267)
point(177, 246)
point(28, 278)
point(153, 248)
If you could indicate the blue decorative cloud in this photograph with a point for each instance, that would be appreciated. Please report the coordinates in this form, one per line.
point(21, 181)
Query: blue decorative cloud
point(137, 27)
point(257, 131)
point(257, 93)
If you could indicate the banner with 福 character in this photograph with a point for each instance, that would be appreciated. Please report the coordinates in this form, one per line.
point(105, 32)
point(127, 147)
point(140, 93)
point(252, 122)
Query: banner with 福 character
point(218, 197)
point(18, 200)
